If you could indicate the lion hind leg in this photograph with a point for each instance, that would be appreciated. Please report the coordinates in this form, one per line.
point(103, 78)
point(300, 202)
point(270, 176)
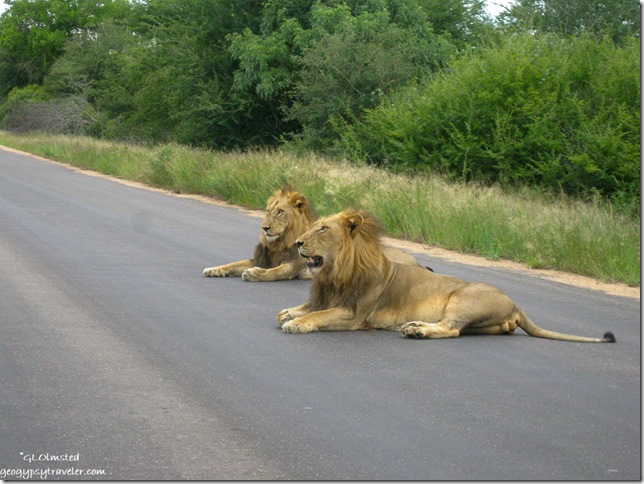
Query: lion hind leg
point(422, 330)
point(506, 327)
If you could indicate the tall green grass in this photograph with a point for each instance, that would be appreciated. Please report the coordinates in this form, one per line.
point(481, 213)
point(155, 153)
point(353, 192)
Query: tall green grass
point(522, 225)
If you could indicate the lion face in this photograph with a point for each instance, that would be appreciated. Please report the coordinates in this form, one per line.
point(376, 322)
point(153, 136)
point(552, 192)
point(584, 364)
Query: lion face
point(276, 221)
point(287, 212)
point(319, 245)
point(328, 237)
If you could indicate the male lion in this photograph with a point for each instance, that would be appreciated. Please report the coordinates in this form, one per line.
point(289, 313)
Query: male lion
point(288, 215)
point(356, 287)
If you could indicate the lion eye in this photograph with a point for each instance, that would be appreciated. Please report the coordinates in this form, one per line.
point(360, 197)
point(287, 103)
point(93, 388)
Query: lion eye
point(279, 213)
point(323, 229)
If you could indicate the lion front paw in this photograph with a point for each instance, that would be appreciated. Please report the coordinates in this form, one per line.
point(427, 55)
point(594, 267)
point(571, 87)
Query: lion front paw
point(214, 272)
point(297, 326)
point(284, 316)
point(253, 274)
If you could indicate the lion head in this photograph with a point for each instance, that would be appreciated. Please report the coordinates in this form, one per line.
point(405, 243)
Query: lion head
point(345, 253)
point(288, 215)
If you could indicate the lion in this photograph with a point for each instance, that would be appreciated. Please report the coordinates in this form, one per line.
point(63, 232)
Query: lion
point(356, 287)
point(288, 215)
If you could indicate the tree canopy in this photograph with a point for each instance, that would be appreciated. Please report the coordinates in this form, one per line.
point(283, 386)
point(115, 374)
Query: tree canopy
point(520, 98)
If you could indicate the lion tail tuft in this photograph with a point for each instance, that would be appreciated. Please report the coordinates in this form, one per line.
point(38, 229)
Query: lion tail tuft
point(609, 337)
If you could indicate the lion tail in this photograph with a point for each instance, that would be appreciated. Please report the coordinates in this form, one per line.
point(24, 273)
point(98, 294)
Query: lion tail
point(530, 327)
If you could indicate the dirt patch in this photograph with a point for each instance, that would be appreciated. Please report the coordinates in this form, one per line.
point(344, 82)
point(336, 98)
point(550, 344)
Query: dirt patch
point(435, 252)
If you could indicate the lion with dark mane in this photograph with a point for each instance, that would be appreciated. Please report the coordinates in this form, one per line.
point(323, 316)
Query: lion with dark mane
point(288, 215)
point(356, 287)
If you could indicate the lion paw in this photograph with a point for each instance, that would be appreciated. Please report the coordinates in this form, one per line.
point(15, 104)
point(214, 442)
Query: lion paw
point(253, 274)
point(297, 326)
point(284, 316)
point(214, 272)
point(413, 330)
point(420, 330)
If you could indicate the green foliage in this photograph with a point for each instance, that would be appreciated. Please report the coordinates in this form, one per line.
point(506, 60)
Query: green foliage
point(563, 114)
point(169, 82)
point(617, 19)
point(33, 33)
point(227, 73)
point(338, 59)
point(94, 66)
point(18, 97)
point(463, 23)
point(31, 93)
point(355, 61)
point(548, 95)
point(181, 76)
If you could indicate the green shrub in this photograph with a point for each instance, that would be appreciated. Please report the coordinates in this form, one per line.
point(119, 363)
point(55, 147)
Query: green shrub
point(557, 113)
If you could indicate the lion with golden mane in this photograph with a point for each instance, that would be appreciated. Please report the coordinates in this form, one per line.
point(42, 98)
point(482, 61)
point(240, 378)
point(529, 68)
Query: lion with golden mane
point(288, 215)
point(356, 287)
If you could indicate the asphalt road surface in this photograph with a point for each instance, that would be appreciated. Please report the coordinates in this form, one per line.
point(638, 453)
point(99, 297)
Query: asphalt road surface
point(120, 361)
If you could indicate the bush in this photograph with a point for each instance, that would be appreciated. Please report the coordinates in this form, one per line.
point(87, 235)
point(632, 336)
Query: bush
point(559, 113)
point(29, 109)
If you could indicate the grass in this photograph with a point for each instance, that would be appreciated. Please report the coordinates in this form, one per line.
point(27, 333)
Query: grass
point(539, 230)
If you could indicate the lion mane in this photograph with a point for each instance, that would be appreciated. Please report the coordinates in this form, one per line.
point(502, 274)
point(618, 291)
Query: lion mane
point(360, 262)
point(356, 286)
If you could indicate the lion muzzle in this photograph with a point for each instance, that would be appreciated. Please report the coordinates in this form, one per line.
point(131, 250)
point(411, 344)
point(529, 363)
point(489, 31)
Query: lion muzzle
point(313, 262)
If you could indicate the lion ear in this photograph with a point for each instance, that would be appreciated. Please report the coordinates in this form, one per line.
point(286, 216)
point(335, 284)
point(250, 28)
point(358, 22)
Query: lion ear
point(353, 221)
point(299, 201)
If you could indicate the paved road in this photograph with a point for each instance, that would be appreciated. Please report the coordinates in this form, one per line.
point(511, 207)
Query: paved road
point(116, 352)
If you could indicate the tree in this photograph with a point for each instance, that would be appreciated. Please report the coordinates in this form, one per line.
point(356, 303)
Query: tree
point(618, 19)
point(463, 22)
point(336, 59)
point(355, 60)
point(186, 73)
point(164, 75)
point(33, 33)
point(97, 66)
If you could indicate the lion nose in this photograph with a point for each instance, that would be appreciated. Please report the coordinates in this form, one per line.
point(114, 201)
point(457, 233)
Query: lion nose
point(266, 228)
point(299, 243)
